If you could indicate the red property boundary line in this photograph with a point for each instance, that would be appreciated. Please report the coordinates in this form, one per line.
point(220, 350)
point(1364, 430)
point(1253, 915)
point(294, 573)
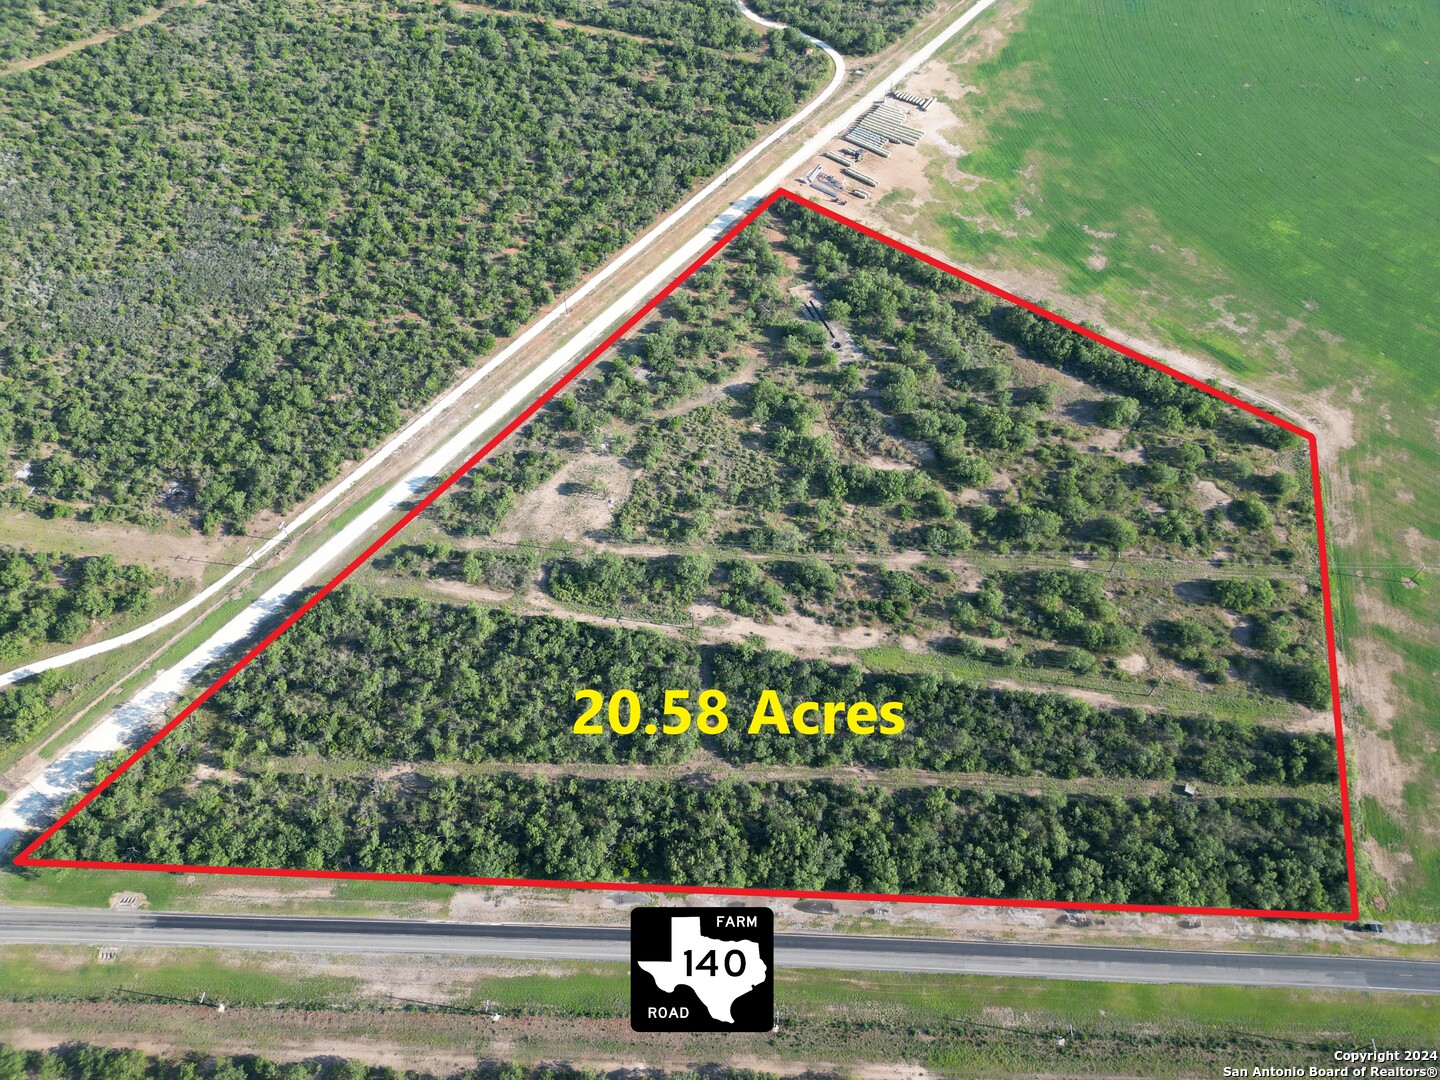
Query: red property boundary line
point(28, 857)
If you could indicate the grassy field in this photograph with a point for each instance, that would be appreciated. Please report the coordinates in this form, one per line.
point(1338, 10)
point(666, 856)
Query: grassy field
point(1247, 185)
point(287, 1006)
point(78, 975)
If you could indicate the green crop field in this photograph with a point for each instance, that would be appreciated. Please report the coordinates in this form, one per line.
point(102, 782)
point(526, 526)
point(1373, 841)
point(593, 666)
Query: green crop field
point(1251, 185)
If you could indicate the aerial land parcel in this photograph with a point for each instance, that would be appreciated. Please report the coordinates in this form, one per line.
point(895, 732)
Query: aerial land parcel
point(825, 469)
point(1187, 173)
point(213, 216)
point(34, 29)
point(240, 244)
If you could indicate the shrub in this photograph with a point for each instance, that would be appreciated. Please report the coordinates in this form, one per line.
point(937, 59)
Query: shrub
point(1119, 412)
point(1250, 513)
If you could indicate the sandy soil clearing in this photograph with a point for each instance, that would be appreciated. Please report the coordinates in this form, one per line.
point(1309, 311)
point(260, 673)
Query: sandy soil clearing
point(563, 509)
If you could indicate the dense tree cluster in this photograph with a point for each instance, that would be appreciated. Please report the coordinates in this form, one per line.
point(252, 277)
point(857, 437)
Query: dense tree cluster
point(401, 680)
point(1075, 620)
point(608, 582)
point(404, 680)
point(787, 465)
point(788, 461)
point(287, 225)
point(1282, 639)
point(855, 27)
point(1064, 606)
point(946, 383)
point(679, 22)
point(934, 439)
point(25, 707)
point(29, 29)
point(508, 569)
point(947, 841)
point(955, 726)
point(56, 598)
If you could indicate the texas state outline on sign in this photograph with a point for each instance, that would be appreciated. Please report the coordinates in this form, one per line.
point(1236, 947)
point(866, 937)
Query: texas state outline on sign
point(717, 989)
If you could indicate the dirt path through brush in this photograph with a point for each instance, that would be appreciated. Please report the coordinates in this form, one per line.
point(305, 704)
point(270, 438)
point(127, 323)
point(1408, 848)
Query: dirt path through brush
point(30, 63)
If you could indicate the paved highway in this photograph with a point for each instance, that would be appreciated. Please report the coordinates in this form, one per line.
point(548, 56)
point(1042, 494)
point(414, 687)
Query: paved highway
point(59, 926)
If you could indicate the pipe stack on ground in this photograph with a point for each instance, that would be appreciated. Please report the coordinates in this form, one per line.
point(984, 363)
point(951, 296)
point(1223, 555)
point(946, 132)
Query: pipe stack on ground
point(866, 140)
point(880, 126)
point(921, 103)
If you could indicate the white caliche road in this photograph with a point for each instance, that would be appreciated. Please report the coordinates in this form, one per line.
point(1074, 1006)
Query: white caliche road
point(34, 804)
point(427, 418)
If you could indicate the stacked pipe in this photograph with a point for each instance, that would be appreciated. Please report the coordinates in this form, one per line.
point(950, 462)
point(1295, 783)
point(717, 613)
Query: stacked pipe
point(866, 141)
point(913, 99)
point(892, 129)
point(880, 126)
point(888, 112)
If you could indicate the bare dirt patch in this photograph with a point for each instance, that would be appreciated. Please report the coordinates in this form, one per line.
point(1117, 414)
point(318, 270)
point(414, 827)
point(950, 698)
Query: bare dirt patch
point(437, 981)
point(794, 634)
point(1368, 668)
point(1133, 664)
point(1238, 323)
point(1392, 866)
point(1209, 496)
point(909, 170)
point(184, 556)
point(474, 594)
point(580, 498)
point(1103, 440)
point(1377, 768)
point(988, 37)
point(209, 772)
point(397, 1040)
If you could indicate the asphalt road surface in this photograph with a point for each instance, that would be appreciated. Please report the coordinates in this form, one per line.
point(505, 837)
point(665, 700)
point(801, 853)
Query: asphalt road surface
point(56, 926)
